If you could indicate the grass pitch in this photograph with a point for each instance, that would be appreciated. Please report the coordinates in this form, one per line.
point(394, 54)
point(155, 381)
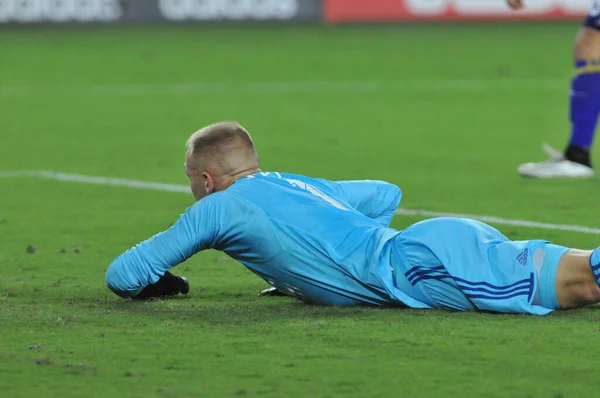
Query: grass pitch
point(446, 112)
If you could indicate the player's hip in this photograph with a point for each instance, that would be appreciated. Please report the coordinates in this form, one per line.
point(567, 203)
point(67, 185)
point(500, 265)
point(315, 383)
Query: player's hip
point(467, 265)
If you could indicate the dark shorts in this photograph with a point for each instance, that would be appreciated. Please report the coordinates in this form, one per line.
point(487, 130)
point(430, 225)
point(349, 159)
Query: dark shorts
point(593, 18)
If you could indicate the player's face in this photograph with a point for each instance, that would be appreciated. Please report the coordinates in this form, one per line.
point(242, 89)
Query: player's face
point(199, 181)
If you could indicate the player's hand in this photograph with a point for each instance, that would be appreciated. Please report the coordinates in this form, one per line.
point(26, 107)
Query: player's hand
point(272, 291)
point(515, 4)
point(167, 285)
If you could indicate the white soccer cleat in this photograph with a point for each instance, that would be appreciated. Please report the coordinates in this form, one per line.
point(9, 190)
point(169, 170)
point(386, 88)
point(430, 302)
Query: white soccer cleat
point(556, 167)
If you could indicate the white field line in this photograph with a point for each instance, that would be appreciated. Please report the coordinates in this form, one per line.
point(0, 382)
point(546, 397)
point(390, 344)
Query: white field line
point(55, 175)
point(157, 186)
point(286, 87)
point(501, 221)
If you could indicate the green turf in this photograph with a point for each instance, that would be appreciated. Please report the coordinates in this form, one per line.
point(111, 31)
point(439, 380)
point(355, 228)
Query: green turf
point(490, 95)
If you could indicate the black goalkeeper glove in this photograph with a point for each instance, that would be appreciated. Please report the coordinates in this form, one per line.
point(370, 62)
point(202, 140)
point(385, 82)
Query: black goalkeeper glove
point(271, 292)
point(167, 285)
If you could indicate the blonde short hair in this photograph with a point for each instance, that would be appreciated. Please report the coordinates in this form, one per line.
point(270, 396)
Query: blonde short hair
point(227, 145)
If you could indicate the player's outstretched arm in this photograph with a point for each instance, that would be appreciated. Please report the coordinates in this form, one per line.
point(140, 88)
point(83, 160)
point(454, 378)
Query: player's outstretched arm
point(143, 270)
point(146, 263)
point(375, 199)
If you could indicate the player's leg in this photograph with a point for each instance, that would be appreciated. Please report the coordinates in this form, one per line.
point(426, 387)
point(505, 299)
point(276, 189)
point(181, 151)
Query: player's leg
point(577, 279)
point(466, 265)
point(451, 263)
point(575, 161)
point(585, 92)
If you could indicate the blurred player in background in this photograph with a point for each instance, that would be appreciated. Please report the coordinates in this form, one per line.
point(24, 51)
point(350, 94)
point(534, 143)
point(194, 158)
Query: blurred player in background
point(330, 242)
point(575, 161)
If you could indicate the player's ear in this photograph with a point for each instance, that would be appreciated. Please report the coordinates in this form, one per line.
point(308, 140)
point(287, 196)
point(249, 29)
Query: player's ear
point(209, 183)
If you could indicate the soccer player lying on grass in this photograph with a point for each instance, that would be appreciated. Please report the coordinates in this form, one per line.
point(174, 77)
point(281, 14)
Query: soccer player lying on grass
point(575, 162)
point(328, 242)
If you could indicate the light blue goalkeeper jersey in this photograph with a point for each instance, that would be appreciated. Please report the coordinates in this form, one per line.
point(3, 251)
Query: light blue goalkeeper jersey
point(324, 242)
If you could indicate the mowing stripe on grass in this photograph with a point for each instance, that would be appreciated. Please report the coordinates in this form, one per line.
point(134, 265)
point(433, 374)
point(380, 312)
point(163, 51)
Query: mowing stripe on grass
point(287, 87)
point(157, 186)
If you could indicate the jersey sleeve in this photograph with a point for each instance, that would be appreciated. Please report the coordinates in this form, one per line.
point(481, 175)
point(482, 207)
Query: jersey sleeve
point(375, 199)
point(145, 263)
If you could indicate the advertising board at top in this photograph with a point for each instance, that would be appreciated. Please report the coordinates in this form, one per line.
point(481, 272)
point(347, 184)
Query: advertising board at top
point(156, 11)
point(233, 10)
point(407, 10)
